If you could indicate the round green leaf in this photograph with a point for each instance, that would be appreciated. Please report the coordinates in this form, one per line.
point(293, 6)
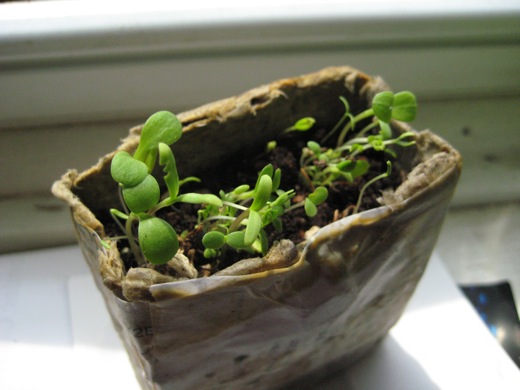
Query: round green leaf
point(319, 195)
point(361, 168)
point(236, 239)
point(127, 170)
point(310, 208)
point(143, 196)
point(158, 240)
point(382, 105)
point(163, 126)
point(405, 107)
point(314, 147)
point(210, 253)
point(214, 240)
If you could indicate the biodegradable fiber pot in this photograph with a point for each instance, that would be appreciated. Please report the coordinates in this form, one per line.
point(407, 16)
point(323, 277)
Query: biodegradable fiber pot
point(320, 305)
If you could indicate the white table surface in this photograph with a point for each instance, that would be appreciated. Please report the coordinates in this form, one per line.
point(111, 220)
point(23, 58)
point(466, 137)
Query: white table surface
point(56, 334)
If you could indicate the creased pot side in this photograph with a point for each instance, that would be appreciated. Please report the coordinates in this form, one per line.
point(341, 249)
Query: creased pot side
point(337, 296)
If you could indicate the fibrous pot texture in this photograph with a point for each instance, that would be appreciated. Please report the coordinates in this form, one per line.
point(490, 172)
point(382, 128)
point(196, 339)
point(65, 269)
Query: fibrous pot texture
point(320, 305)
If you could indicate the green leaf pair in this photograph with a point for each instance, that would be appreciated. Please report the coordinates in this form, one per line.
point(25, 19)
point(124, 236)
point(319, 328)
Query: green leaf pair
point(317, 197)
point(140, 189)
point(402, 106)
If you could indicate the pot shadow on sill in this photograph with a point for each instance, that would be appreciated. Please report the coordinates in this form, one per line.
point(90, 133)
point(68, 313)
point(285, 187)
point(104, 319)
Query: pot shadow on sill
point(387, 366)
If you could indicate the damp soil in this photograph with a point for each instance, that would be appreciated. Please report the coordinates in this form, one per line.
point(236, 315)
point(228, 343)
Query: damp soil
point(244, 169)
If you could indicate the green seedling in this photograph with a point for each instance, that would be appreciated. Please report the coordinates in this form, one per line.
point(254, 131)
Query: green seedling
point(370, 182)
point(321, 166)
point(386, 106)
point(241, 222)
point(141, 193)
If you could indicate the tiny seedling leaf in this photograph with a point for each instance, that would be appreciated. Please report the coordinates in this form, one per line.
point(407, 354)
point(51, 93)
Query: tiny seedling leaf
point(319, 195)
point(209, 253)
point(158, 240)
point(241, 189)
point(302, 124)
point(126, 170)
point(236, 239)
point(163, 126)
point(405, 107)
point(143, 196)
point(382, 105)
point(361, 168)
point(314, 147)
point(214, 240)
point(310, 208)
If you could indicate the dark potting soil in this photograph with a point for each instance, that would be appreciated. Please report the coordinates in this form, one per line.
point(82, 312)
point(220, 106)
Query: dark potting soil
point(342, 198)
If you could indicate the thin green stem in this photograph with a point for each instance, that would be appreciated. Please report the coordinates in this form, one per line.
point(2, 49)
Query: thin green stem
point(370, 182)
point(234, 205)
point(359, 117)
point(131, 241)
point(367, 128)
point(335, 128)
point(238, 220)
point(218, 217)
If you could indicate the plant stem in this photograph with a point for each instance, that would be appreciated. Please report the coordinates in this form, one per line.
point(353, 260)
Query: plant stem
point(238, 220)
point(368, 183)
point(359, 117)
point(131, 241)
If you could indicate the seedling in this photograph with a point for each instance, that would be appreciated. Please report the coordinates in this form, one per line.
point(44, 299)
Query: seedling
point(241, 222)
point(322, 166)
point(141, 193)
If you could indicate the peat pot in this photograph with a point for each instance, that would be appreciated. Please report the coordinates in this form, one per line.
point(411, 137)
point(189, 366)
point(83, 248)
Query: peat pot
point(316, 309)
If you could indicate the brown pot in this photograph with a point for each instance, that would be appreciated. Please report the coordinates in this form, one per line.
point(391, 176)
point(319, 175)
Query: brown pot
point(325, 307)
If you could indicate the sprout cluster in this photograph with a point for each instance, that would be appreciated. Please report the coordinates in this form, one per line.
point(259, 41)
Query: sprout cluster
point(323, 166)
point(238, 219)
point(241, 222)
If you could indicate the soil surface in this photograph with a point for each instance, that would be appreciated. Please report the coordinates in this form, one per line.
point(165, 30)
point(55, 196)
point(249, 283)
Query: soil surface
point(244, 170)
